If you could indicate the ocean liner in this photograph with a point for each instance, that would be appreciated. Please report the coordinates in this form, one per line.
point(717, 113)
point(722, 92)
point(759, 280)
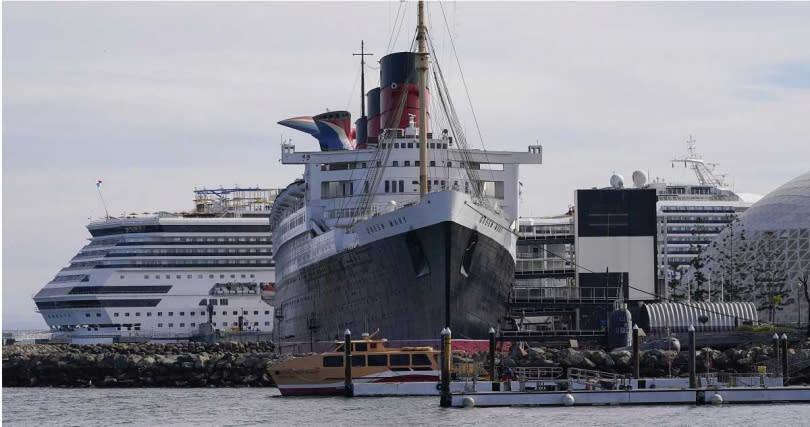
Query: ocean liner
point(153, 276)
point(395, 227)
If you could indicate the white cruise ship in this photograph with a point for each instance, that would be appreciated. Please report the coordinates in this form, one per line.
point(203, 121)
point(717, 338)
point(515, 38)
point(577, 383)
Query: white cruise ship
point(157, 276)
point(691, 215)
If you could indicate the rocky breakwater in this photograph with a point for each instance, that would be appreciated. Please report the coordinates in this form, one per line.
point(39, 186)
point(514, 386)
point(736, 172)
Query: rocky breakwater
point(660, 362)
point(139, 365)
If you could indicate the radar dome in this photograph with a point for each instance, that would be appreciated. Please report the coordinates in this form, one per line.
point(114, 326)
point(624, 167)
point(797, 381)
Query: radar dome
point(639, 179)
point(616, 181)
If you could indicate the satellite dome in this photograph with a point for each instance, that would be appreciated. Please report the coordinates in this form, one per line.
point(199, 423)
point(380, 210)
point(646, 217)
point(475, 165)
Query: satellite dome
point(639, 179)
point(616, 181)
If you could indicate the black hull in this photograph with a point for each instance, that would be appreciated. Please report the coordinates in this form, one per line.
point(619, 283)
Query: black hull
point(400, 286)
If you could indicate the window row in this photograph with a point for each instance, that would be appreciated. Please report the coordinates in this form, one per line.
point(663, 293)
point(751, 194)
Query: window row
point(189, 252)
point(187, 228)
point(160, 314)
point(401, 360)
point(401, 145)
point(189, 276)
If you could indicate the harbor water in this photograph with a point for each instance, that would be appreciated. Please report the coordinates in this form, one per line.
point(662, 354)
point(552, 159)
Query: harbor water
point(264, 406)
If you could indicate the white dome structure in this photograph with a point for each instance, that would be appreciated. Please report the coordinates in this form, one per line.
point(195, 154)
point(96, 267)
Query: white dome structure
point(764, 256)
point(787, 207)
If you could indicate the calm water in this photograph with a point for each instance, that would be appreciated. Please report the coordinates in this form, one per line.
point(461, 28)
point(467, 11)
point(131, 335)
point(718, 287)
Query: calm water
point(237, 407)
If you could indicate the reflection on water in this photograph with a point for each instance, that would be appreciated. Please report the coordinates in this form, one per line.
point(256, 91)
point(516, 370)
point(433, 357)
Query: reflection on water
point(263, 406)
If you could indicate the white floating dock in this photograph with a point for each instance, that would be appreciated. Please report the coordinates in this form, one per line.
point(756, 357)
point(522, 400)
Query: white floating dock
point(631, 397)
point(417, 388)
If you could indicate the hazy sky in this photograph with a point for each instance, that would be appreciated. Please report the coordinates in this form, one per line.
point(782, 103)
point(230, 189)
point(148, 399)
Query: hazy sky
point(156, 99)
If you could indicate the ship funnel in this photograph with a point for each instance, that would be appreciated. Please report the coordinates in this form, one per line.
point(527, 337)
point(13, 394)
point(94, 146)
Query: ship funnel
point(398, 77)
point(373, 124)
point(332, 129)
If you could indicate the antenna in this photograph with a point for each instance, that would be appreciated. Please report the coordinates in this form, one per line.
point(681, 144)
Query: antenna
point(103, 203)
point(703, 171)
point(362, 56)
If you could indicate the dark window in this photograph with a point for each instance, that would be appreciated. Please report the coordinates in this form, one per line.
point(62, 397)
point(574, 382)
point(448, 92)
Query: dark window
point(407, 162)
point(387, 186)
point(92, 290)
point(182, 313)
point(377, 360)
point(433, 163)
point(420, 359)
point(396, 163)
point(400, 359)
point(360, 346)
point(358, 360)
point(148, 314)
point(182, 325)
point(235, 313)
point(256, 312)
point(171, 313)
point(332, 361)
point(401, 186)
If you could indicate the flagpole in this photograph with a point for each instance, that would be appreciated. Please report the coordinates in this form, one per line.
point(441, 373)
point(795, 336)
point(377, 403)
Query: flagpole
point(103, 203)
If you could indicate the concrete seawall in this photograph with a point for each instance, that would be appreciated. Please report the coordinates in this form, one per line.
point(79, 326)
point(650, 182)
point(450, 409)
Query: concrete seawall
point(138, 365)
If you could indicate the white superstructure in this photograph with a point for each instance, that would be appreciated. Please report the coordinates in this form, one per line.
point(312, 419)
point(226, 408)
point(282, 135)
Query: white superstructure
point(154, 276)
point(691, 215)
point(327, 215)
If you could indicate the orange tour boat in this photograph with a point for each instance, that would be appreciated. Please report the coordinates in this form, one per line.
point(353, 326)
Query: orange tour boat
point(372, 362)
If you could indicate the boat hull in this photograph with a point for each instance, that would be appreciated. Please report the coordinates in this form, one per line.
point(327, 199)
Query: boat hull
point(407, 285)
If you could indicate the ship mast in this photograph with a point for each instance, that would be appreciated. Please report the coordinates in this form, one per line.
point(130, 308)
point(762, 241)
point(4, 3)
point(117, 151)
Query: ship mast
point(362, 56)
point(421, 70)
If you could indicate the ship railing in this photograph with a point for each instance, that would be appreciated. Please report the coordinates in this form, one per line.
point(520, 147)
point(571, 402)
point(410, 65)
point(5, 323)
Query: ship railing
point(563, 293)
point(541, 264)
point(538, 373)
point(528, 334)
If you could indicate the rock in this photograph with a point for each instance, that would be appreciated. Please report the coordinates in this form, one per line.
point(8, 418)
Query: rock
point(571, 358)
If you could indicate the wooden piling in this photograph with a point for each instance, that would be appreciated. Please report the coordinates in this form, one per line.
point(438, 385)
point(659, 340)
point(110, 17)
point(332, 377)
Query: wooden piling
point(347, 365)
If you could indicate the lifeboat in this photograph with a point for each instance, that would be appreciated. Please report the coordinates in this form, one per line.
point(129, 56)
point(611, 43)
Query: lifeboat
point(268, 291)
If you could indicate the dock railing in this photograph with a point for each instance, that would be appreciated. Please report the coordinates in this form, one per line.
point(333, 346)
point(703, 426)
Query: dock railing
point(538, 373)
point(586, 375)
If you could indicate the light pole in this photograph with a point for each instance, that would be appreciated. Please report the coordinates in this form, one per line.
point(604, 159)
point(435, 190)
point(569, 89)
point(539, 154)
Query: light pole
point(799, 303)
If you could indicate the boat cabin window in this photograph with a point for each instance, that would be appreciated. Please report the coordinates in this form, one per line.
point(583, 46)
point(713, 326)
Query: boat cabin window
point(339, 348)
point(420, 359)
point(359, 360)
point(361, 346)
point(400, 359)
point(377, 360)
point(332, 361)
